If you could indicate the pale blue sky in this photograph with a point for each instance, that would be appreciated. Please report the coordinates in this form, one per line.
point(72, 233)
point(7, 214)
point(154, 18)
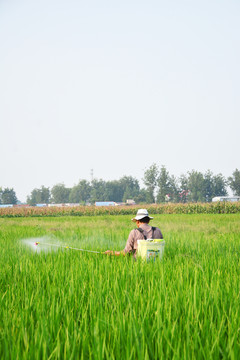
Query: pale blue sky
point(116, 86)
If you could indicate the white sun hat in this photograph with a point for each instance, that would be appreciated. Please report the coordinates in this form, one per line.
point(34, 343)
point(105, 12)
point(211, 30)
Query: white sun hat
point(141, 213)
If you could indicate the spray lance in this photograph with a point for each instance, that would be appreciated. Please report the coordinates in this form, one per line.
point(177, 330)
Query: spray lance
point(37, 243)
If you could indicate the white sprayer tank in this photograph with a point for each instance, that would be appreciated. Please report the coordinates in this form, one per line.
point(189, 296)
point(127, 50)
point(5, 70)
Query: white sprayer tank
point(150, 249)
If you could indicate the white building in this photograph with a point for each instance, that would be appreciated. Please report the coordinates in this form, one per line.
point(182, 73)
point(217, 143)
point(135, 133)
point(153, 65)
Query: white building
point(226, 198)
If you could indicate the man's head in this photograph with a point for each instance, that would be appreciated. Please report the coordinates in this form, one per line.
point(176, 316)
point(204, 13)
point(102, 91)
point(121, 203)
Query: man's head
point(142, 221)
point(142, 217)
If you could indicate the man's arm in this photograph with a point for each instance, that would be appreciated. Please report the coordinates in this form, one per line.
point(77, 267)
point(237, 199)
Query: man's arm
point(128, 248)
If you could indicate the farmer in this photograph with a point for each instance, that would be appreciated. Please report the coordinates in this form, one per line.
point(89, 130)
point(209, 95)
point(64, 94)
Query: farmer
point(143, 231)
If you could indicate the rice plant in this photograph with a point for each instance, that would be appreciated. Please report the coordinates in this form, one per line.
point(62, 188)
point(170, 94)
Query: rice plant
point(67, 304)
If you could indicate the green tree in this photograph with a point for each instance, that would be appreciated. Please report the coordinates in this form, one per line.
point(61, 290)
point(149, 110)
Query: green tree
point(214, 185)
point(208, 186)
point(234, 182)
point(60, 194)
point(80, 193)
point(130, 187)
point(183, 188)
point(219, 185)
point(113, 191)
point(39, 196)
point(45, 194)
point(167, 187)
point(150, 180)
point(174, 189)
point(142, 197)
point(196, 186)
point(8, 196)
point(97, 193)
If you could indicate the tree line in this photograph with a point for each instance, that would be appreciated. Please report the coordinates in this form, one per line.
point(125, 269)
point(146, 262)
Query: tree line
point(159, 187)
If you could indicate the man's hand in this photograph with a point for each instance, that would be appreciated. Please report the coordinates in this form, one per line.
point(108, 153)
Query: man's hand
point(109, 252)
point(116, 253)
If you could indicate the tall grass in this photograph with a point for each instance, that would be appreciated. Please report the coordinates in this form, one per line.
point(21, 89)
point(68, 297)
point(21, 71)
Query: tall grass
point(73, 305)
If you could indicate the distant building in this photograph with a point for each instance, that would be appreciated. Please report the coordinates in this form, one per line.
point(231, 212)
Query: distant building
point(105, 203)
point(226, 198)
point(63, 205)
point(6, 205)
point(130, 202)
point(21, 205)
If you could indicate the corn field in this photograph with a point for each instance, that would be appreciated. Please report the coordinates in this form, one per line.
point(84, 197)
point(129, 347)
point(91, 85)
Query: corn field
point(188, 208)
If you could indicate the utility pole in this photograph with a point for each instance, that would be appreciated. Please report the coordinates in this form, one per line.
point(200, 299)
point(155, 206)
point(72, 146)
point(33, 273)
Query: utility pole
point(91, 175)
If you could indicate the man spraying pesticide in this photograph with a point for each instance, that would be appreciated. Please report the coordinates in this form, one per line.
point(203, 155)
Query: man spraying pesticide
point(145, 241)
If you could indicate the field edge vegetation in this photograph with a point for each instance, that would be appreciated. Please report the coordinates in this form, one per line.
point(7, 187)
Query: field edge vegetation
point(188, 208)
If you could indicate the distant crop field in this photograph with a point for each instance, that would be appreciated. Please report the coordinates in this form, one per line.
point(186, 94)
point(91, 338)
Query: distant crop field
point(166, 208)
point(64, 304)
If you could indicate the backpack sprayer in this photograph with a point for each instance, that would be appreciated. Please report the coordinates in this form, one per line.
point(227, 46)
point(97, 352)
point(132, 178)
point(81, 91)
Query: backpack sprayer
point(150, 249)
point(69, 247)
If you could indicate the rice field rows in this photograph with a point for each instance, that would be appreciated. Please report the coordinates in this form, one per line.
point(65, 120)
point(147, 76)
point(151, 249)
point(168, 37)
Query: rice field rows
point(65, 304)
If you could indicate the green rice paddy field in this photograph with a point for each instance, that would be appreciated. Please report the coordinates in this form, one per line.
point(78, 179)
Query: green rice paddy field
point(66, 304)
